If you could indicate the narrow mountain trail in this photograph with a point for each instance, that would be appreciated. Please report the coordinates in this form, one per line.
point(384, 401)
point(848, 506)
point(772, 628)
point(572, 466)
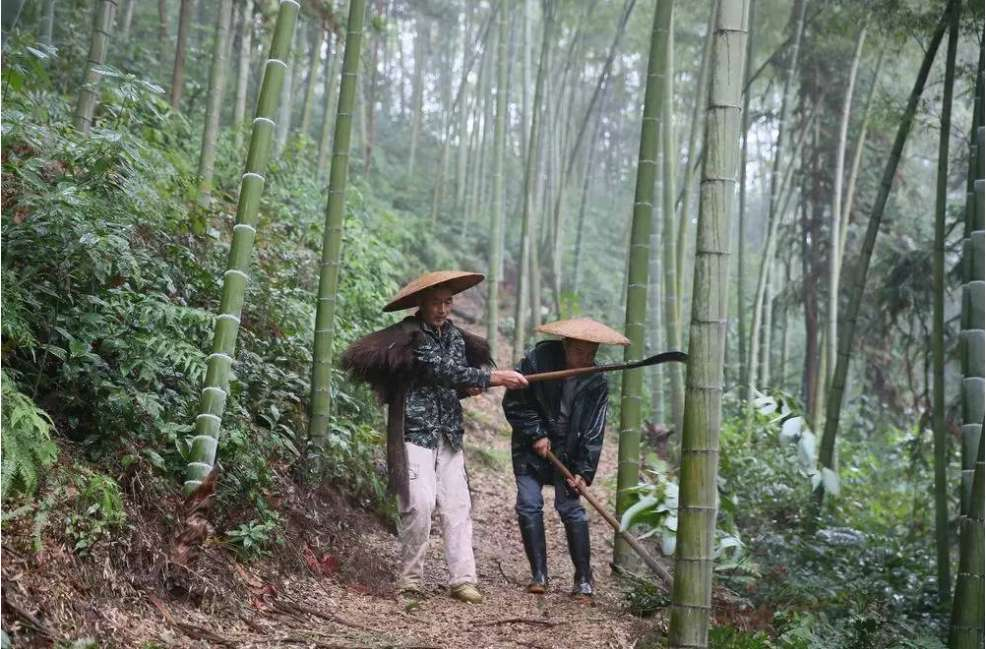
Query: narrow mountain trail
point(331, 584)
point(509, 616)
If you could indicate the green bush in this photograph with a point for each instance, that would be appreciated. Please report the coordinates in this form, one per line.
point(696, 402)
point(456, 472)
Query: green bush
point(26, 441)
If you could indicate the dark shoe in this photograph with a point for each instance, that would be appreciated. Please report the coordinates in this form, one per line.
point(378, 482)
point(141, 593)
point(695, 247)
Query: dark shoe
point(577, 533)
point(532, 531)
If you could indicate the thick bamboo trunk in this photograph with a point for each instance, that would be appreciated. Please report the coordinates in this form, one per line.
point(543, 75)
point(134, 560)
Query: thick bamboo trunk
point(971, 336)
point(691, 594)
point(202, 456)
point(857, 277)
point(966, 629)
point(628, 469)
point(942, 533)
point(769, 245)
point(217, 87)
point(99, 43)
point(498, 214)
point(181, 50)
point(328, 279)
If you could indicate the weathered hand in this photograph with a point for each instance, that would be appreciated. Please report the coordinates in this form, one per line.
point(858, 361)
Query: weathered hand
point(542, 446)
point(577, 482)
point(508, 378)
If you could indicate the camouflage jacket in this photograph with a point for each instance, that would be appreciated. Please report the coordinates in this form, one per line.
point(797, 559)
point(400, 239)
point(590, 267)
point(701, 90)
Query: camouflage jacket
point(432, 408)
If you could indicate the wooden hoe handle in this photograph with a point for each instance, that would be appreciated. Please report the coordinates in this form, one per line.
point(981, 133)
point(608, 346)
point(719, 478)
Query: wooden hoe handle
point(651, 562)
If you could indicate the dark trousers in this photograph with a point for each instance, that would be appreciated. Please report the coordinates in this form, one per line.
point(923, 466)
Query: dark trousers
point(530, 503)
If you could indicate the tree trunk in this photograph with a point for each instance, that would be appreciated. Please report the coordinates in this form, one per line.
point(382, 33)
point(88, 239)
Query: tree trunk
point(217, 87)
point(628, 469)
point(966, 629)
point(681, 246)
point(126, 20)
point(181, 49)
point(421, 41)
point(529, 224)
point(498, 214)
point(48, 26)
point(741, 225)
point(287, 92)
point(99, 43)
point(329, 93)
point(328, 279)
point(586, 180)
point(835, 260)
point(372, 87)
point(242, 73)
point(858, 275)
point(942, 534)
point(164, 45)
point(971, 338)
point(672, 298)
point(314, 69)
point(202, 456)
point(754, 351)
point(691, 593)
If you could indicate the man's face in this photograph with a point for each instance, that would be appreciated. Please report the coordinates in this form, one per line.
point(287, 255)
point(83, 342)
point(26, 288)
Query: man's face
point(579, 353)
point(436, 305)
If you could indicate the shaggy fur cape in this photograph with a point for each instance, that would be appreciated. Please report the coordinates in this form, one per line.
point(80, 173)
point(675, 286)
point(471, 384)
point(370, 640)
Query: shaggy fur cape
point(385, 360)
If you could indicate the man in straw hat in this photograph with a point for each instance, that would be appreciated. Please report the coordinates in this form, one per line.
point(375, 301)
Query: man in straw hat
point(568, 417)
point(421, 367)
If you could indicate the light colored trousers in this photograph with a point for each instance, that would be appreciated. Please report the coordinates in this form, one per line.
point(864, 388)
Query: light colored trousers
point(436, 476)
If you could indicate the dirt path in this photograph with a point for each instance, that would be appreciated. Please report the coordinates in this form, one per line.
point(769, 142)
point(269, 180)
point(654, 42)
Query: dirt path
point(222, 603)
point(509, 617)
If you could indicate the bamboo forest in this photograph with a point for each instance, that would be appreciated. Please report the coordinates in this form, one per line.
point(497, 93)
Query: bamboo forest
point(416, 324)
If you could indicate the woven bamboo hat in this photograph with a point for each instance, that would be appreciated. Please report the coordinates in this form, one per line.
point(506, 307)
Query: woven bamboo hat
point(585, 329)
point(454, 280)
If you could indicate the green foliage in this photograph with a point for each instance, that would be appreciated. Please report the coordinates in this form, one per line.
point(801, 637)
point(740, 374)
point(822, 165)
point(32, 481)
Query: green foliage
point(860, 577)
point(253, 539)
point(109, 296)
point(97, 511)
point(26, 441)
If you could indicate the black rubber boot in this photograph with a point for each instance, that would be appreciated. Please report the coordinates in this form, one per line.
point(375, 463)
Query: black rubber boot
point(532, 531)
point(577, 533)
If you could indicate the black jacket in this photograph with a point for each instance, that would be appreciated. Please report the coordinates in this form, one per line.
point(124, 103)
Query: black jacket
point(533, 414)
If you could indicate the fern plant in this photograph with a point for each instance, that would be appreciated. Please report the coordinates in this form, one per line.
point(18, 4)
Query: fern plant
point(27, 448)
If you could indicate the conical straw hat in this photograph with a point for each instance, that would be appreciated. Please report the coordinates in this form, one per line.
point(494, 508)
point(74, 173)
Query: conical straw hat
point(454, 280)
point(585, 329)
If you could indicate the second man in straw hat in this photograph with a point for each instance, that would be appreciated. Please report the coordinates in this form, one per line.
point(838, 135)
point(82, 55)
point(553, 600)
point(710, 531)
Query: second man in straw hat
point(568, 417)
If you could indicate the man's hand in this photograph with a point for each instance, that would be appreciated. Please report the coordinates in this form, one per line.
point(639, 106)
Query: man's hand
point(542, 446)
point(577, 482)
point(508, 378)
